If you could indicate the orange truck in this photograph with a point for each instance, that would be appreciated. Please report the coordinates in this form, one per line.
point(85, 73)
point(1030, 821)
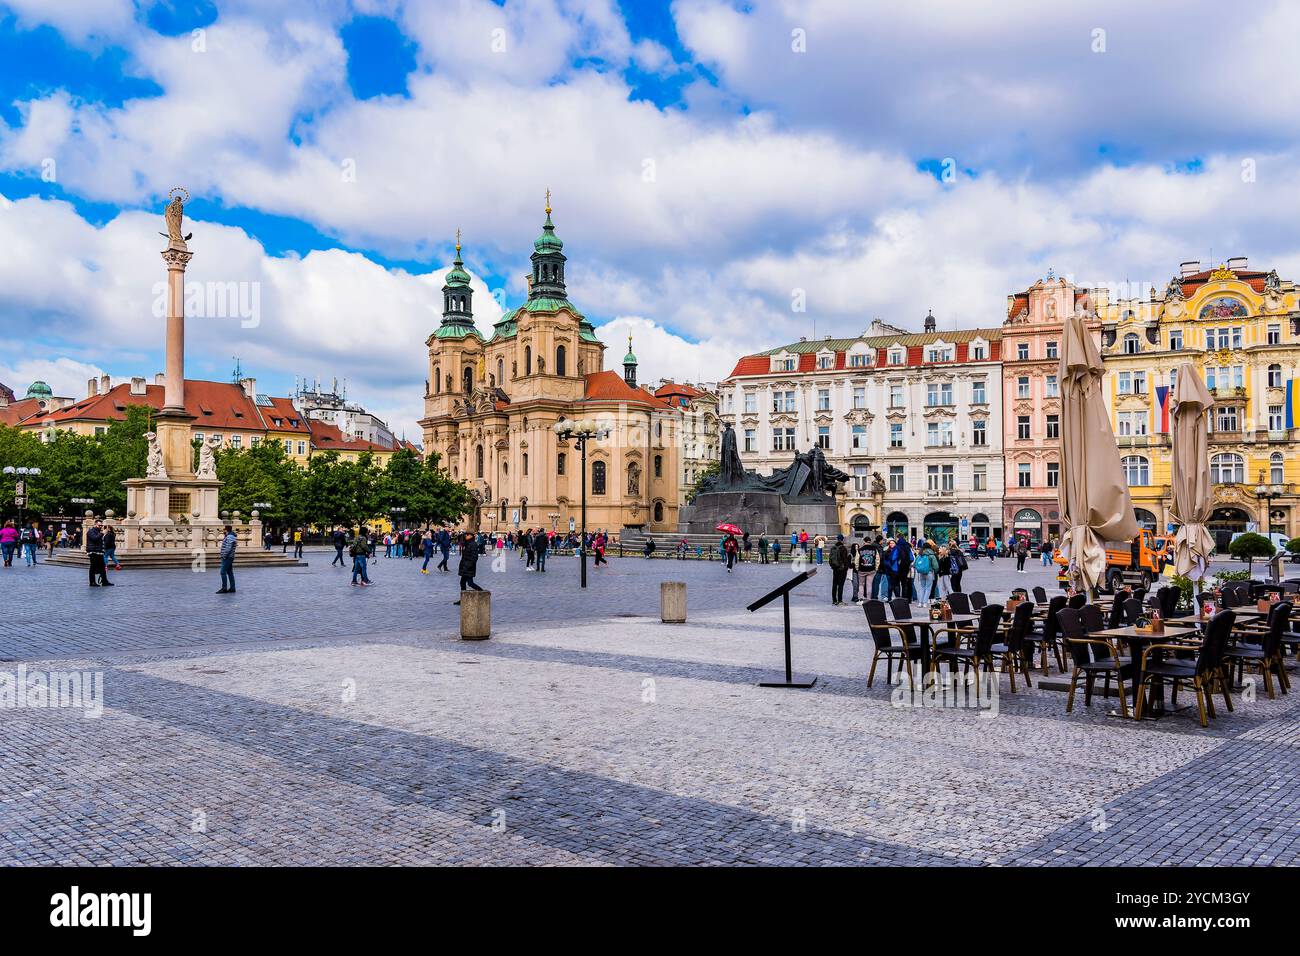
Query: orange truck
point(1138, 562)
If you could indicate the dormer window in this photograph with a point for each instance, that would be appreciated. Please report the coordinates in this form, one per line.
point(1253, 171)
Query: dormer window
point(939, 352)
point(825, 360)
point(860, 357)
point(897, 356)
point(979, 351)
point(785, 363)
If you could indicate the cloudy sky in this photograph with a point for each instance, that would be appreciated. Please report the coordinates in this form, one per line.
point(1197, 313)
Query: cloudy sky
point(713, 164)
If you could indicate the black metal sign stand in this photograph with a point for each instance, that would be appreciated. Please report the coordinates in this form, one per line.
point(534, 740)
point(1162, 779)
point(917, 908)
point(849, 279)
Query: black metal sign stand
point(783, 592)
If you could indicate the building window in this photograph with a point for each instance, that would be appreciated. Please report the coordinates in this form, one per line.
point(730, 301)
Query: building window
point(1224, 338)
point(858, 361)
point(783, 402)
point(859, 438)
point(751, 440)
point(824, 437)
point(255, 440)
point(977, 352)
point(1227, 469)
point(823, 399)
point(1175, 340)
point(559, 463)
point(1274, 334)
point(979, 433)
point(938, 434)
point(659, 511)
point(528, 361)
point(501, 373)
point(1276, 471)
point(859, 396)
point(597, 477)
point(1051, 350)
point(1132, 423)
point(938, 394)
point(1137, 470)
point(895, 396)
point(1124, 383)
point(1022, 351)
point(525, 464)
point(659, 466)
point(939, 477)
point(825, 361)
point(896, 478)
point(288, 447)
point(1276, 418)
point(559, 359)
point(1022, 427)
point(980, 478)
point(1139, 383)
point(751, 403)
point(302, 448)
point(478, 461)
point(1275, 376)
point(1054, 426)
point(1050, 388)
point(783, 439)
point(897, 357)
point(978, 393)
point(1023, 476)
point(1022, 386)
point(236, 441)
point(1226, 420)
point(437, 380)
point(1053, 474)
point(1132, 344)
point(784, 365)
point(895, 434)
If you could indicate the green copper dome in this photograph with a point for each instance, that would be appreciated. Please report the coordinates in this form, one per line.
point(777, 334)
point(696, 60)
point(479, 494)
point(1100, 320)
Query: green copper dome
point(548, 241)
point(39, 390)
point(457, 276)
point(629, 358)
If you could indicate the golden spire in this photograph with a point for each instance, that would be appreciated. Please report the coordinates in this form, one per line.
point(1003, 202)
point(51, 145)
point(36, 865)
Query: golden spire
point(457, 240)
point(548, 201)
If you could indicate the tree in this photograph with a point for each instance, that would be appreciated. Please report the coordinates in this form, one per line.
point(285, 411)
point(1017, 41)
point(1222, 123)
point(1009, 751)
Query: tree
point(1294, 547)
point(261, 475)
point(420, 487)
point(711, 472)
point(1249, 546)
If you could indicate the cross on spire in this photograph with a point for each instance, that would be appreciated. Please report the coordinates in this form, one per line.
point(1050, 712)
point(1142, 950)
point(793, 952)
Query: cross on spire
point(548, 200)
point(458, 240)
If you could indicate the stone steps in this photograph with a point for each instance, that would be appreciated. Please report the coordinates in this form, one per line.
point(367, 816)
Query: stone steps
point(142, 560)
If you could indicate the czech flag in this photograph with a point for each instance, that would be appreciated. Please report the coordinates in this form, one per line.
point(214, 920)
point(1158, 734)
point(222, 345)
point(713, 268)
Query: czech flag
point(1292, 403)
point(1163, 396)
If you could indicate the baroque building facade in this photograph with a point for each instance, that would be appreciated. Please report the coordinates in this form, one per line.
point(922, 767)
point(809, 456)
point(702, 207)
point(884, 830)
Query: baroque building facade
point(701, 434)
point(915, 419)
point(1031, 403)
point(491, 405)
point(1240, 328)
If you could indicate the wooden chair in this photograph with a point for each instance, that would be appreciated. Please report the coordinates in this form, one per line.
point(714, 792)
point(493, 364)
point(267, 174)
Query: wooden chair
point(882, 634)
point(1266, 655)
point(981, 650)
point(1092, 656)
point(978, 600)
point(1011, 651)
point(1204, 675)
point(1047, 635)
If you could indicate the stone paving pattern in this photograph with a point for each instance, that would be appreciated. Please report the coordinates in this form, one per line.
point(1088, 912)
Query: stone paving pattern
point(583, 733)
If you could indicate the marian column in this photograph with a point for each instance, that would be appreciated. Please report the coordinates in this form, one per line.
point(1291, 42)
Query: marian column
point(173, 421)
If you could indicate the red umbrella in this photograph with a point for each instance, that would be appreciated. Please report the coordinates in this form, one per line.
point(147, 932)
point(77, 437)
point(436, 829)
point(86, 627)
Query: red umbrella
point(729, 528)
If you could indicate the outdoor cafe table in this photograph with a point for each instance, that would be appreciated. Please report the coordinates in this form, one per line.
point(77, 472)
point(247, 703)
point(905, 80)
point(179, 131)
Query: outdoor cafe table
point(1139, 641)
point(957, 620)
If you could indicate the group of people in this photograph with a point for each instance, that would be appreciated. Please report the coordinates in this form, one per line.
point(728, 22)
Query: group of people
point(886, 568)
point(26, 539)
point(286, 537)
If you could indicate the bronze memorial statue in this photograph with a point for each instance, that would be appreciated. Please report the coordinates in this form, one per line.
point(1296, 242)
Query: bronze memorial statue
point(809, 477)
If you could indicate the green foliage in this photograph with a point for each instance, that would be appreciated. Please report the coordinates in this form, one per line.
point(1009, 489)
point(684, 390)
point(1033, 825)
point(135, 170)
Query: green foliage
point(1249, 546)
point(1223, 577)
point(428, 495)
point(261, 475)
point(1293, 545)
point(1185, 586)
point(711, 472)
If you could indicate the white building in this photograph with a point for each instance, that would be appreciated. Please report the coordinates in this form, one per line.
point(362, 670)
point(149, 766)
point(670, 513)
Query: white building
point(701, 433)
point(923, 411)
point(332, 407)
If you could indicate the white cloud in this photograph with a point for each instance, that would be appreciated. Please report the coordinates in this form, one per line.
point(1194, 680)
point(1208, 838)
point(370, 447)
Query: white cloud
point(66, 376)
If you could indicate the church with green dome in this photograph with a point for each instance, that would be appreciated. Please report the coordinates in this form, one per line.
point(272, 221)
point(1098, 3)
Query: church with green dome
point(491, 403)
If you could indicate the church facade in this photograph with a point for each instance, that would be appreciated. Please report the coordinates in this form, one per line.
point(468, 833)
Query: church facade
point(491, 406)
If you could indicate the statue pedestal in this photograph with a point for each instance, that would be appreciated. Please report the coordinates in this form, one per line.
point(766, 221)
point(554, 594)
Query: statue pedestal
point(174, 513)
point(757, 512)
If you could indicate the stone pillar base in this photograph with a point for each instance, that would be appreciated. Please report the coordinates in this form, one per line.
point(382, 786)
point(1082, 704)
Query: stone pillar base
point(475, 615)
point(672, 602)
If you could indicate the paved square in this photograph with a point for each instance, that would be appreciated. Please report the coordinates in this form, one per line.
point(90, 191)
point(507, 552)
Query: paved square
point(306, 721)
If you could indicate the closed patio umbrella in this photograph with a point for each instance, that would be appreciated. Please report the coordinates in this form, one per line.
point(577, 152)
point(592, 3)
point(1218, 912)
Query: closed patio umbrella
point(1192, 492)
point(1094, 497)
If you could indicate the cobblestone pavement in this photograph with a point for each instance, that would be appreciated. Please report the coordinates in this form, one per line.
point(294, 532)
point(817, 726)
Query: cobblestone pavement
point(305, 721)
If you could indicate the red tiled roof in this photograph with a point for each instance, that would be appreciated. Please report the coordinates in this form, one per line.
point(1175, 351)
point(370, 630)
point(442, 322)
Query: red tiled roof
point(327, 437)
point(214, 405)
point(291, 420)
point(673, 388)
point(16, 412)
point(609, 387)
point(762, 364)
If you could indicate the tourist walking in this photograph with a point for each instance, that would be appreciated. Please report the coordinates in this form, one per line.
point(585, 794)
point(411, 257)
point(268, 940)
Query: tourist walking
point(747, 546)
point(602, 542)
point(901, 585)
point(360, 553)
point(776, 551)
point(340, 542)
point(29, 539)
point(469, 551)
point(1046, 552)
point(991, 547)
point(864, 558)
point(110, 548)
point(730, 548)
point(297, 543)
point(444, 546)
point(839, 559)
point(959, 565)
point(95, 551)
point(880, 586)
point(944, 580)
point(530, 556)
point(229, 544)
point(819, 545)
point(924, 567)
point(540, 546)
point(762, 548)
point(426, 545)
point(1022, 551)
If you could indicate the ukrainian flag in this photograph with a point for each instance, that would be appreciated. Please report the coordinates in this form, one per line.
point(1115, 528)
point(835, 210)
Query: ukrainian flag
point(1292, 403)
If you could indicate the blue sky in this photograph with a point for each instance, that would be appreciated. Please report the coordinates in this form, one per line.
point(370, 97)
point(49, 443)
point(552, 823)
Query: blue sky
point(709, 162)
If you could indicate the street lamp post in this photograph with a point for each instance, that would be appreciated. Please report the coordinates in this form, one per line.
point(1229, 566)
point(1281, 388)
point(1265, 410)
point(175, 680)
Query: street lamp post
point(1268, 494)
point(581, 432)
point(20, 486)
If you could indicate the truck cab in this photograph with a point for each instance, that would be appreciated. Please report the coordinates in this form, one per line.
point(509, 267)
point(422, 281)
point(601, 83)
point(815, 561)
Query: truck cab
point(1135, 563)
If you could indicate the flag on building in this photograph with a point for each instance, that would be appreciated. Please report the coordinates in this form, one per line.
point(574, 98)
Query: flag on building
point(1163, 395)
point(1292, 403)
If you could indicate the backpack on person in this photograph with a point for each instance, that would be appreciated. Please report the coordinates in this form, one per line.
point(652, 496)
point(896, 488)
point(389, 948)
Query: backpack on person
point(924, 564)
point(867, 559)
point(960, 560)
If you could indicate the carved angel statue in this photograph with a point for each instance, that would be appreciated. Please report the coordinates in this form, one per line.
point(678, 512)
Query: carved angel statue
point(154, 467)
point(634, 479)
point(174, 216)
point(208, 458)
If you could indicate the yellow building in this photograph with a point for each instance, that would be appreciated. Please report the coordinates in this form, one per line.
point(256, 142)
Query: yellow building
point(1241, 330)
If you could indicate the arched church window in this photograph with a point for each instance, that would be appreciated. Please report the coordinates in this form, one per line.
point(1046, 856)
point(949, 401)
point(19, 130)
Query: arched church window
point(598, 478)
point(528, 360)
point(559, 360)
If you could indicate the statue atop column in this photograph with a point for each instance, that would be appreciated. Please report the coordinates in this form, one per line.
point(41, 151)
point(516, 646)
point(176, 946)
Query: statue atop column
point(174, 216)
point(154, 466)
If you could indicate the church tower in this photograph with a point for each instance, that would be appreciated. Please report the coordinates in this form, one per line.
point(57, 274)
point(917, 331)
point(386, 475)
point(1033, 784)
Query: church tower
point(548, 262)
point(629, 364)
point(457, 296)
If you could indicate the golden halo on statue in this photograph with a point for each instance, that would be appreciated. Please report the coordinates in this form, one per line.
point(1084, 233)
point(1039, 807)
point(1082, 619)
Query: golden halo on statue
point(172, 193)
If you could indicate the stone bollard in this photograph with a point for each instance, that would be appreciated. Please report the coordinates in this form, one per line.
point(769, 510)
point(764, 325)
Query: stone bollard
point(475, 615)
point(672, 602)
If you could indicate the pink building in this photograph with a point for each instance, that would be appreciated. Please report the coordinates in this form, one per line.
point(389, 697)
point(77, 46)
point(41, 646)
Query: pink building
point(1031, 353)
